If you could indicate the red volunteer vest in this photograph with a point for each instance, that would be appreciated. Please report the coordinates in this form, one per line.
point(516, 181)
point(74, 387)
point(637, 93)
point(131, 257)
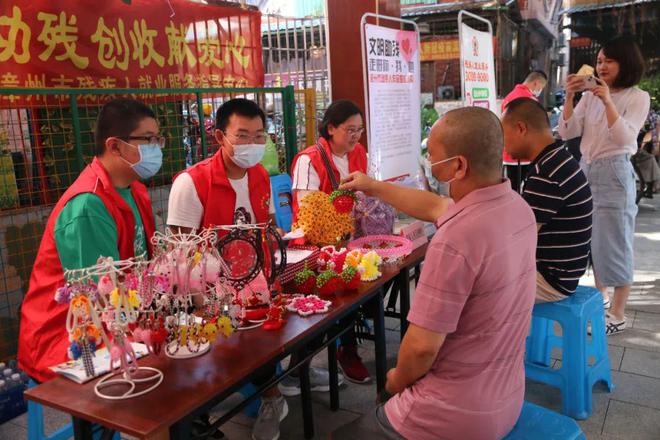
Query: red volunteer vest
point(43, 340)
point(217, 195)
point(357, 161)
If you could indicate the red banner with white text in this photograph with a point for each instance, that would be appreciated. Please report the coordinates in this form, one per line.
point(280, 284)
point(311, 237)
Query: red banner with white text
point(127, 44)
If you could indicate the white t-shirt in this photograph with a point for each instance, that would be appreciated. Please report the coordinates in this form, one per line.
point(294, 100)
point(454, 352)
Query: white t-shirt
point(590, 121)
point(305, 177)
point(185, 209)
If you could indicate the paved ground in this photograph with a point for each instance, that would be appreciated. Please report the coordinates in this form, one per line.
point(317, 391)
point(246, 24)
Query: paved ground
point(631, 411)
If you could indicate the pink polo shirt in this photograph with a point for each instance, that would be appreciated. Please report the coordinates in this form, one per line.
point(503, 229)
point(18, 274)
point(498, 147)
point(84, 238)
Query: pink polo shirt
point(477, 286)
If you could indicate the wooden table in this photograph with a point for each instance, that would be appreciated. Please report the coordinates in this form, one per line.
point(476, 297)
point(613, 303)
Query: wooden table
point(192, 385)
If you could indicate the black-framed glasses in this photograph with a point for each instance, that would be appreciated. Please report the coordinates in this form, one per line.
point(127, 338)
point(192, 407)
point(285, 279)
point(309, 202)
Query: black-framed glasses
point(160, 140)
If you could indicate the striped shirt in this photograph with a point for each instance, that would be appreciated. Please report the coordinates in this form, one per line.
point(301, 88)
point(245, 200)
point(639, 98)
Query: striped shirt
point(559, 194)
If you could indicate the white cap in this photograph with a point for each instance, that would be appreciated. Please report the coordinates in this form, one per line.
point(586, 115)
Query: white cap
point(16, 377)
point(2, 383)
point(2, 365)
point(7, 372)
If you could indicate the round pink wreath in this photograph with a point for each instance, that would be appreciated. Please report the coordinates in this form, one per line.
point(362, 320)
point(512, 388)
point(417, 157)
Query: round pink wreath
point(391, 248)
point(308, 305)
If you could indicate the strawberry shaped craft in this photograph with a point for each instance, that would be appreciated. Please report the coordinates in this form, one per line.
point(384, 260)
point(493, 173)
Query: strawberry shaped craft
point(351, 278)
point(328, 282)
point(343, 201)
point(305, 281)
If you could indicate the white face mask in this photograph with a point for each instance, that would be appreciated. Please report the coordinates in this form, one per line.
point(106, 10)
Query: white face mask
point(248, 155)
point(429, 166)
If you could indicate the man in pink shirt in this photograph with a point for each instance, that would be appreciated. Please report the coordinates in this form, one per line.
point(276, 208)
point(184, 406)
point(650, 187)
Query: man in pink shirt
point(460, 373)
point(534, 83)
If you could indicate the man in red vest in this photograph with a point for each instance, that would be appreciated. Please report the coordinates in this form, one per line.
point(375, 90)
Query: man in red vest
point(532, 87)
point(106, 212)
point(232, 186)
point(229, 188)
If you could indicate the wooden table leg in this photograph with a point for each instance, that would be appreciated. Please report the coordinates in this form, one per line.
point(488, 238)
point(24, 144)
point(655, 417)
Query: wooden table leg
point(82, 429)
point(306, 397)
point(334, 379)
point(379, 340)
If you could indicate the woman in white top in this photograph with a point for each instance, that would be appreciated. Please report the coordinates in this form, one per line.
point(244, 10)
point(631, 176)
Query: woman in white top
point(608, 118)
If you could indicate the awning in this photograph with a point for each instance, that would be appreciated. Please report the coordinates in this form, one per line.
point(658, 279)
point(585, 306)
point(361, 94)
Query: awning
point(604, 5)
point(440, 8)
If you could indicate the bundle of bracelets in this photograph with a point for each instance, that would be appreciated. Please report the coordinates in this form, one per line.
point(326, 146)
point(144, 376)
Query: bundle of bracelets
point(391, 248)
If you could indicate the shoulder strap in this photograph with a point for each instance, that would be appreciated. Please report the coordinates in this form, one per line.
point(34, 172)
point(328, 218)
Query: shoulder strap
point(328, 166)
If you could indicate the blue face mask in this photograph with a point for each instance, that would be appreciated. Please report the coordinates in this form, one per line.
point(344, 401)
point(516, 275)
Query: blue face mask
point(437, 186)
point(151, 159)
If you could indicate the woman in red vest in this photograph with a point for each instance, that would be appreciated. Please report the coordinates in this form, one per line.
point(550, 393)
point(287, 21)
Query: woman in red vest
point(337, 153)
point(105, 212)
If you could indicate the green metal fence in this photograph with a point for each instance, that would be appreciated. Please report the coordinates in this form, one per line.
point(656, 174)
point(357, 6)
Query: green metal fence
point(47, 138)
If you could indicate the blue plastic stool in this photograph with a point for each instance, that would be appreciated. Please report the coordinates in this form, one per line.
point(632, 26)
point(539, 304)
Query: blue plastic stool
point(536, 422)
point(283, 196)
point(36, 424)
point(576, 377)
point(252, 410)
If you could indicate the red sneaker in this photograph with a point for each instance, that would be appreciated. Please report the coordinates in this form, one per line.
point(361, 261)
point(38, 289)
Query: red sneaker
point(352, 366)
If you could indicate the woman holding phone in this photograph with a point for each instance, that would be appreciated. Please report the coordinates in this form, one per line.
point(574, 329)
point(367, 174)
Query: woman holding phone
point(608, 118)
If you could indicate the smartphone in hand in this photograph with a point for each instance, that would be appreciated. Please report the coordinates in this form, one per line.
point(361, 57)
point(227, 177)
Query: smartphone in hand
point(589, 82)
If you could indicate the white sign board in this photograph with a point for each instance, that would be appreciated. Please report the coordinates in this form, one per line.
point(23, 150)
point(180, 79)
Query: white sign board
point(393, 89)
point(478, 68)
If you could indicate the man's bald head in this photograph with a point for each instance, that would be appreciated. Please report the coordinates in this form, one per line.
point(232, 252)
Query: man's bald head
point(472, 132)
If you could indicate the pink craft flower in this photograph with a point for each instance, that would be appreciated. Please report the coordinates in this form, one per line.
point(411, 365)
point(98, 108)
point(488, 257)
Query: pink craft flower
point(308, 305)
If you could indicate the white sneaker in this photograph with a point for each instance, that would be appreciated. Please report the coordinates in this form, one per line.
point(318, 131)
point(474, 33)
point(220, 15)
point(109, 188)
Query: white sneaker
point(271, 412)
point(613, 325)
point(319, 380)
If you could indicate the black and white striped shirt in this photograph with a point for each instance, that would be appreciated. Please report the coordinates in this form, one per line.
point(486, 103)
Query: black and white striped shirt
point(559, 194)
